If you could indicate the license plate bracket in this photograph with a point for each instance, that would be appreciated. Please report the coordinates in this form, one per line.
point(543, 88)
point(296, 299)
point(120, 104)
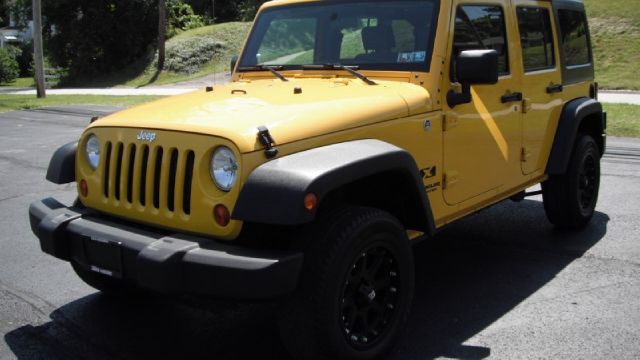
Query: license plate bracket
point(103, 256)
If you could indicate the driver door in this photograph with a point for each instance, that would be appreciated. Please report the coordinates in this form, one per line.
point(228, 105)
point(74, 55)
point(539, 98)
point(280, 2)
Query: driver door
point(482, 139)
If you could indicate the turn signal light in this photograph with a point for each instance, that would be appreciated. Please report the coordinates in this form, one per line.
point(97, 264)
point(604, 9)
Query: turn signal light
point(310, 201)
point(221, 214)
point(84, 188)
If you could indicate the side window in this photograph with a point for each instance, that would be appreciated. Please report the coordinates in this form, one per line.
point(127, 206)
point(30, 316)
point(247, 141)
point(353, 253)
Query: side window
point(575, 45)
point(480, 27)
point(536, 38)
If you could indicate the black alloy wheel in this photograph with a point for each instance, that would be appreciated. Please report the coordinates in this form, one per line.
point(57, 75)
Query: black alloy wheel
point(355, 289)
point(370, 297)
point(588, 180)
point(570, 199)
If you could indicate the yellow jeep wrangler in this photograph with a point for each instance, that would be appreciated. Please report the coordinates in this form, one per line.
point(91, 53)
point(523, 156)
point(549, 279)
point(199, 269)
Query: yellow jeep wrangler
point(351, 130)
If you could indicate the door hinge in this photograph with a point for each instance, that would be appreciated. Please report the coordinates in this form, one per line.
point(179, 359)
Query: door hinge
point(525, 155)
point(450, 179)
point(449, 122)
point(526, 105)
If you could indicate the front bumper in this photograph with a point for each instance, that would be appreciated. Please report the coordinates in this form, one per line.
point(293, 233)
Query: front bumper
point(166, 263)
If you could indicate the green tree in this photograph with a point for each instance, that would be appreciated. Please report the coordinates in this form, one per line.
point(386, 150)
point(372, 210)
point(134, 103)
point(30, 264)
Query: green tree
point(99, 36)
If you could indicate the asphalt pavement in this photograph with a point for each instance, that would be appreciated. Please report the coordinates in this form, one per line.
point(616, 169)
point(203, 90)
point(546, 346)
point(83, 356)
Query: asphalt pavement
point(502, 284)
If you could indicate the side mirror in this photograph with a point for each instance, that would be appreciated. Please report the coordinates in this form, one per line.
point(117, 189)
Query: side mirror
point(473, 67)
point(234, 61)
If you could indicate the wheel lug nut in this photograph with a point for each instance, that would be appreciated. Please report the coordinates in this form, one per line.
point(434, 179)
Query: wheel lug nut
point(390, 306)
point(393, 290)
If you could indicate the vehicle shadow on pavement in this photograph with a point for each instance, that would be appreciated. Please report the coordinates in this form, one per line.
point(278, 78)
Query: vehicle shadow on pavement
point(472, 274)
point(102, 327)
point(480, 268)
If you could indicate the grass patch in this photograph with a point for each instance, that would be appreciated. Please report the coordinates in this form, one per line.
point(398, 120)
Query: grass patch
point(615, 32)
point(19, 83)
point(227, 37)
point(623, 120)
point(25, 102)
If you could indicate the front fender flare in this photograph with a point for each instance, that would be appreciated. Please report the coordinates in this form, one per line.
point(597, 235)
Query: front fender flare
point(274, 192)
point(62, 167)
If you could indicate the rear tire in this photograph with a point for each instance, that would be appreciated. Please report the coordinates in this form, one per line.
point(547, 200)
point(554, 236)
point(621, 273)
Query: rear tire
point(570, 199)
point(355, 291)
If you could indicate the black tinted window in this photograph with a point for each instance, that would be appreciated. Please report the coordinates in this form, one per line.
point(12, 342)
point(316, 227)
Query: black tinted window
point(575, 45)
point(536, 38)
point(480, 27)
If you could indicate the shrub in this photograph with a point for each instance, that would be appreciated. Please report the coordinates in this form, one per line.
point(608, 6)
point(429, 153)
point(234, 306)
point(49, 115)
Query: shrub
point(189, 54)
point(9, 69)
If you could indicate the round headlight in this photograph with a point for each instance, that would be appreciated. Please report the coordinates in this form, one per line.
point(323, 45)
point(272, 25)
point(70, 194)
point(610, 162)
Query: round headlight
point(92, 149)
point(224, 168)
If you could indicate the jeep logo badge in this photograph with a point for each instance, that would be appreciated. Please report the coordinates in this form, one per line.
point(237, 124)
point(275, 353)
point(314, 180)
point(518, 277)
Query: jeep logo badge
point(146, 136)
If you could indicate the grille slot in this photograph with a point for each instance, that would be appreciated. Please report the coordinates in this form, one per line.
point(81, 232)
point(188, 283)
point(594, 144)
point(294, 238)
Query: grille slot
point(143, 176)
point(188, 178)
point(130, 173)
point(156, 178)
point(148, 175)
point(119, 151)
point(173, 168)
point(107, 163)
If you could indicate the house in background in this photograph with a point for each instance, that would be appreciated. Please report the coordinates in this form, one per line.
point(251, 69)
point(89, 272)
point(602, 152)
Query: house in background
point(13, 34)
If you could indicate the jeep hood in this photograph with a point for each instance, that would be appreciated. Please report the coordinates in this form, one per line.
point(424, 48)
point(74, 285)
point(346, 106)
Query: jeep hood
point(294, 110)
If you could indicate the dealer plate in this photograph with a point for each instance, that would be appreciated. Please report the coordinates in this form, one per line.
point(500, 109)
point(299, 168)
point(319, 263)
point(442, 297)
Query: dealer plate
point(103, 256)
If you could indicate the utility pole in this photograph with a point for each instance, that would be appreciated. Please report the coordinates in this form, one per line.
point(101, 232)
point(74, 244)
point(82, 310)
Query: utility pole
point(213, 11)
point(162, 33)
point(37, 48)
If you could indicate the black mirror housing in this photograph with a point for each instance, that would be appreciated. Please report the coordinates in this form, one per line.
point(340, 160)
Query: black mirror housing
point(473, 67)
point(477, 67)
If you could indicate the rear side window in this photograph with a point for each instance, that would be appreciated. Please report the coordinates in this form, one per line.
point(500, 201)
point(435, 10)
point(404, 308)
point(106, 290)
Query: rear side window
point(480, 27)
point(575, 43)
point(536, 38)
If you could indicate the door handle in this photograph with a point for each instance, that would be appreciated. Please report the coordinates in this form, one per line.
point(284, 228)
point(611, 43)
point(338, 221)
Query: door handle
point(554, 88)
point(513, 97)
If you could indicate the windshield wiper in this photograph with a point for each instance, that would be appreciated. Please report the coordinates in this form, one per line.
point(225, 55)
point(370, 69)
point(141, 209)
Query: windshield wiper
point(350, 69)
point(274, 70)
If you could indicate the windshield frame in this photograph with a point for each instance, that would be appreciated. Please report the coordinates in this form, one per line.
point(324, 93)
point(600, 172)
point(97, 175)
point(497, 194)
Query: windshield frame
point(257, 35)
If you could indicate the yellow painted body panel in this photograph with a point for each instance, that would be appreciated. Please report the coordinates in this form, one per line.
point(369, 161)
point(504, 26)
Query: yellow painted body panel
point(475, 154)
point(234, 111)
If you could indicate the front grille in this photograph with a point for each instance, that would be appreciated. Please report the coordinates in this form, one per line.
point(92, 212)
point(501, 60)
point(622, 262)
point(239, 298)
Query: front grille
point(149, 176)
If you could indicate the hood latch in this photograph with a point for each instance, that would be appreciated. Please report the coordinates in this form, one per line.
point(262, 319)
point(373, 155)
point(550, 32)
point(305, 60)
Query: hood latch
point(267, 141)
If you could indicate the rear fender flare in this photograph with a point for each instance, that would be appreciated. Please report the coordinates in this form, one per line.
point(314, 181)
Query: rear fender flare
point(573, 115)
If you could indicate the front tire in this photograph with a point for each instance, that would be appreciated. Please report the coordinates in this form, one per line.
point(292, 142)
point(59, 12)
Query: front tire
point(570, 199)
point(356, 288)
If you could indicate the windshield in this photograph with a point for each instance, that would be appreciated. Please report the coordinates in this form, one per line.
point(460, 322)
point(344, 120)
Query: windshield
point(377, 35)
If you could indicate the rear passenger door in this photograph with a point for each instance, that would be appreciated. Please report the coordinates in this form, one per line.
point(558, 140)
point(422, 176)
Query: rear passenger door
point(541, 82)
